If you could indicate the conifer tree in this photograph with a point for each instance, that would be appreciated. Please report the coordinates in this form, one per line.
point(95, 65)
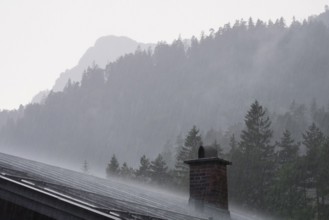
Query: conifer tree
point(112, 168)
point(288, 149)
point(313, 139)
point(186, 152)
point(192, 143)
point(144, 169)
point(159, 170)
point(257, 157)
point(323, 186)
point(126, 171)
point(287, 196)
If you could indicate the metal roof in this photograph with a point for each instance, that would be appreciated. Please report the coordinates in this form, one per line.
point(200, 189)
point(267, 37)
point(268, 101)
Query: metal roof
point(112, 197)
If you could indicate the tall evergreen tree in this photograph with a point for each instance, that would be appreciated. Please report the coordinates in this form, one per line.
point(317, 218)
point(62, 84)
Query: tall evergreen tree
point(323, 186)
point(126, 171)
point(144, 169)
point(287, 196)
point(186, 152)
point(257, 157)
point(313, 139)
point(159, 170)
point(288, 149)
point(112, 168)
point(192, 143)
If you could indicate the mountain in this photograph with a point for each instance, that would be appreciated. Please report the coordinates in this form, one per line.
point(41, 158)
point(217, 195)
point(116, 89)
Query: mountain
point(40, 97)
point(106, 49)
point(134, 105)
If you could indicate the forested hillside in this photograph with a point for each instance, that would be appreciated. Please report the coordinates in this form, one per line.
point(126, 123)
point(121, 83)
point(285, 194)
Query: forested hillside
point(144, 100)
point(268, 179)
point(106, 49)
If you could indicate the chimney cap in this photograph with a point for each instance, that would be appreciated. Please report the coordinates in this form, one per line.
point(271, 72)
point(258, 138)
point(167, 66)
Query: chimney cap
point(207, 152)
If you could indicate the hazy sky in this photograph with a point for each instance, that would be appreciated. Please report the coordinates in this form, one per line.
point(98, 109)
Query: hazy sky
point(39, 39)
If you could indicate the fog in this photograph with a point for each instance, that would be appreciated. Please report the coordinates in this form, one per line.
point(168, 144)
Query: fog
point(124, 190)
point(256, 90)
point(46, 38)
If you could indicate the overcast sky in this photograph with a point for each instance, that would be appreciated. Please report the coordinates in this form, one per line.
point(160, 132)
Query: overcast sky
point(39, 39)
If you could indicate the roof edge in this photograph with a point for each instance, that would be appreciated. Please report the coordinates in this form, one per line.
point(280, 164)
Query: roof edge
point(208, 160)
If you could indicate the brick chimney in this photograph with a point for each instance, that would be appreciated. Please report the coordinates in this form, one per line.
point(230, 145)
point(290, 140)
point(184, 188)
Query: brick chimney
point(208, 181)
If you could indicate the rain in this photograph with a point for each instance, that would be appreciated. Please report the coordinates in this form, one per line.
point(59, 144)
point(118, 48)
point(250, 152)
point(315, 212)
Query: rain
point(106, 106)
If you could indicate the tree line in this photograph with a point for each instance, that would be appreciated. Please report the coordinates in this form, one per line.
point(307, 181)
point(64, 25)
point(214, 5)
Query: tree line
point(157, 171)
point(133, 105)
point(145, 97)
point(274, 177)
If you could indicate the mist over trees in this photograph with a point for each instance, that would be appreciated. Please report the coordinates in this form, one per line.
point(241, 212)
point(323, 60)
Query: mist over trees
point(136, 104)
point(106, 49)
point(270, 177)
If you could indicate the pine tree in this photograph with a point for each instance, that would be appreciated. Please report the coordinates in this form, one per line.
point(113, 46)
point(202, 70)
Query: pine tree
point(323, 186)
point(288, 149)
point(313, 139)
point(287, 196)
point(159, 170)
point(126, 171)
point(186, 152)
point(192, 142)
point(144, 169)
point(112, 168)
point(257, 157)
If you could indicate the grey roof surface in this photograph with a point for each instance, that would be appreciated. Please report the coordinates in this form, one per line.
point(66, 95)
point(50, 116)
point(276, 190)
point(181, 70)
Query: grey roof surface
point(111, 196)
